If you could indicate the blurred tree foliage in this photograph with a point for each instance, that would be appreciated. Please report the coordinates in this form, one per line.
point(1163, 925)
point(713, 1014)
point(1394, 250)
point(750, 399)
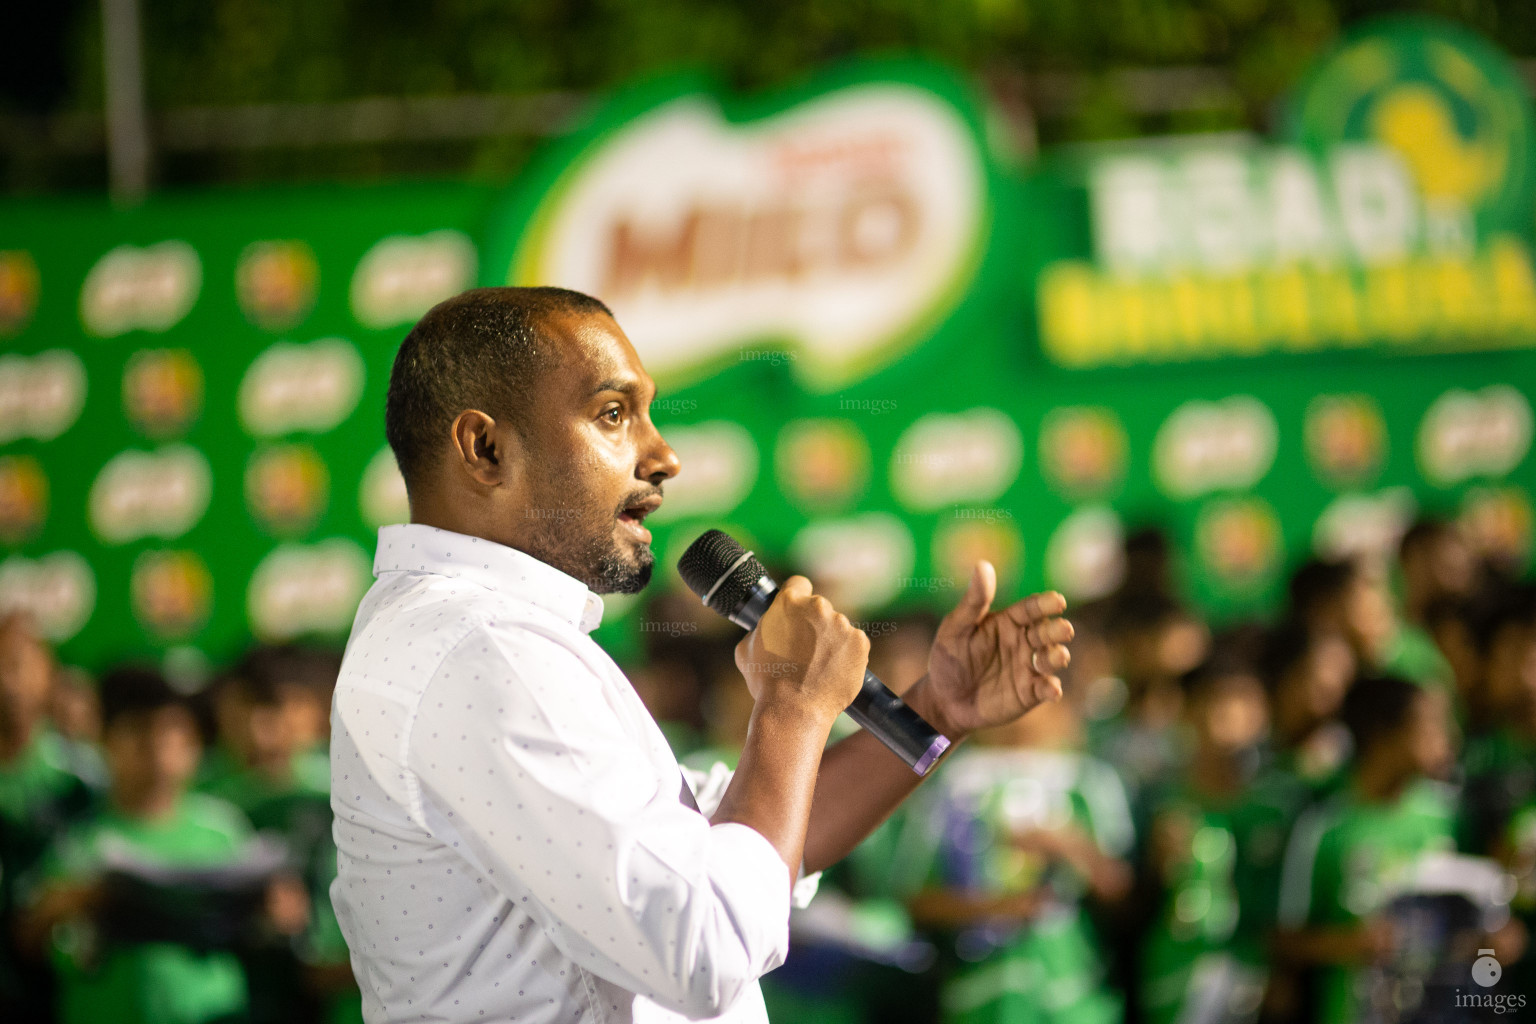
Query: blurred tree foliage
point(202, 52)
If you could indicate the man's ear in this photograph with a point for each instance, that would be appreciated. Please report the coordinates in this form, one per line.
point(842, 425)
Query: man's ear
point(483, 448)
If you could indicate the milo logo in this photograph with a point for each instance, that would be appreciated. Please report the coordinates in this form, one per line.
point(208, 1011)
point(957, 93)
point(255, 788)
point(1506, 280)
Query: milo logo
point(138, 494)
point(149, 289)
point(403, 276)
point(721, 459)
point(843, 226)
point(41, 396)
point(1212, 446)
point(961, 458)
point(1467, 434)
point(1085, 557)
point(291, 388)
point(58, 590)
point(307, 588)
point(1365, 526)
point(858, 561)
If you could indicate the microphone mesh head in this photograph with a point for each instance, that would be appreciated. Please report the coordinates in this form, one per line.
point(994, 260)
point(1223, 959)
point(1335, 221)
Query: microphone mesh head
point(707, 559)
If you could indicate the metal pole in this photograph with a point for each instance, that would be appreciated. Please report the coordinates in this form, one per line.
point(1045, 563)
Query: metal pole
point(128, 152)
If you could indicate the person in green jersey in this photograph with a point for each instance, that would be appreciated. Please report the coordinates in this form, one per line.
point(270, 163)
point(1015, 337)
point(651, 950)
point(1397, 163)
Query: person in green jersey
point(152, 747)
point(1435, 564)
point(1349, 598)
point(1307, 675)
point(1500, 759)
point(1348, 855)
point(1218, 835)
point(1020, 829)
point(45, 784)
point(266, 764)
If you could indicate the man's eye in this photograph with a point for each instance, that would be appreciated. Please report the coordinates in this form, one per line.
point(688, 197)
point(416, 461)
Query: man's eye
point(614, 415)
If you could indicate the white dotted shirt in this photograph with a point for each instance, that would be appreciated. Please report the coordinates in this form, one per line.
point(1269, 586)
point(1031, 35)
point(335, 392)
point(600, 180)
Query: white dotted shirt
point(510, 840)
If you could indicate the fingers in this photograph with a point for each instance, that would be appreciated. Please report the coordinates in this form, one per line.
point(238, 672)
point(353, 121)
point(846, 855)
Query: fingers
point(973, 607)
point(795, 586)
point(1051, 631)
point(1037, 607)
point(1050, 659)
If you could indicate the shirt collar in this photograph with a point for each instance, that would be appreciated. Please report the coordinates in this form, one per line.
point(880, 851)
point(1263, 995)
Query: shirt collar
point(413, 547)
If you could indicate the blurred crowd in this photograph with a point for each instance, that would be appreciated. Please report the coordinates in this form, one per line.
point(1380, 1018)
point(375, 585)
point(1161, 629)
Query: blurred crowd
point(1326, 817)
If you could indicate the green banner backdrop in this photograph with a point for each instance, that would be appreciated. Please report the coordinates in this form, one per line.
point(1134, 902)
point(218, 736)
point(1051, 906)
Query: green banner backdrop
point(883, 351)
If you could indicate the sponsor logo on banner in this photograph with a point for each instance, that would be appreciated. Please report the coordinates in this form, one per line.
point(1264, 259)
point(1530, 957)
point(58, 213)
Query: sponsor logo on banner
point(857, 562)
point(1467, 434)
point(956, 458)
point(1365, 526)
point(162, 494)
point(41, 396)
point(844, 227)
point(381, 497)
point(1085, 557)
point(1239, 541)
point(958, 544)
point(171, 593)
point(403, 276)
point(1449, 105)
point(1214, 446)
point(23, 498)
point(307, 588)
point(58, 590)
point(1083, 450)
point(1498, 521)
point(1346, 439)
point(276, 283)
point(823, 464)
point(148, 289)
point(286, 487)
point(162, 392)
point(291, 388)
point(18, 290)
point(720, 463)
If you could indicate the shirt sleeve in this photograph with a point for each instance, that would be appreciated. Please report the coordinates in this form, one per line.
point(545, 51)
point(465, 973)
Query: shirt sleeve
point(709, 789)
point(526, 766)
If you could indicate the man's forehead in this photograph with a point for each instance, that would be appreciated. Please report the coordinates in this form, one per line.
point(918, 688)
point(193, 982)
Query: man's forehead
point(600, 357)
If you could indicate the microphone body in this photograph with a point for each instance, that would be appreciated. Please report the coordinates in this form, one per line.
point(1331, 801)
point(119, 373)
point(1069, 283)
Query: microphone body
point(741, 590)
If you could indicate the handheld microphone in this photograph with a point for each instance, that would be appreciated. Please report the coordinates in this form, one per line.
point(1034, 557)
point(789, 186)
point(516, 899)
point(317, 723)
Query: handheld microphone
point(734, 583)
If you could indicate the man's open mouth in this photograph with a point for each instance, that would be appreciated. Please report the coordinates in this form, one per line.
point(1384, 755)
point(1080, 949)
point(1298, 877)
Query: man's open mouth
point(633, 517)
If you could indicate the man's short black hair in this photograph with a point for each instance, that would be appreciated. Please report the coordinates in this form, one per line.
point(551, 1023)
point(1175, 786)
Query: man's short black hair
point(1377, 707)
point(135, 689)
point(1317, 582)
point(482, 349)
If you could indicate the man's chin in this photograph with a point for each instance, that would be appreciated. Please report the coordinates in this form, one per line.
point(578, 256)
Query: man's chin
point(626, 575)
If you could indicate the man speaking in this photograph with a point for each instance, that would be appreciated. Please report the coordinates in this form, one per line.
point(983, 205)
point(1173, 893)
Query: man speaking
point(515, 840)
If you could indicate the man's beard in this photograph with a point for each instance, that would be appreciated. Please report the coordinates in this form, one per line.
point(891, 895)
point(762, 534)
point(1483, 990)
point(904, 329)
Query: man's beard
point(596, 558)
